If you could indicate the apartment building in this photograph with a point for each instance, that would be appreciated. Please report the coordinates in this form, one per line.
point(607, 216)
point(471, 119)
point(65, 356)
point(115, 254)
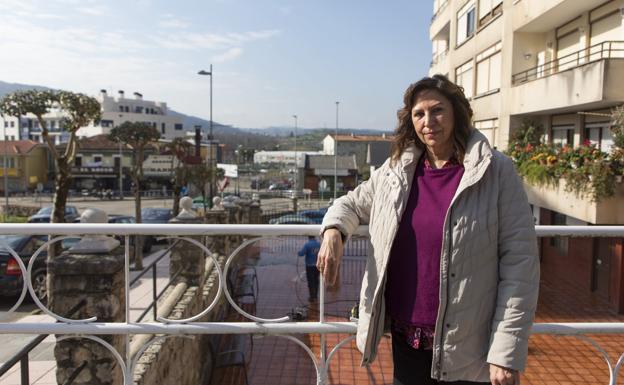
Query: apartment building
point(26, 165)
point(27, 127)
point(120, 109)
point(557, 63)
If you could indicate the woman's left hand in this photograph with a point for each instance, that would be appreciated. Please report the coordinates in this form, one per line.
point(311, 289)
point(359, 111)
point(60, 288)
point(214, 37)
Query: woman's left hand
point(503, 376)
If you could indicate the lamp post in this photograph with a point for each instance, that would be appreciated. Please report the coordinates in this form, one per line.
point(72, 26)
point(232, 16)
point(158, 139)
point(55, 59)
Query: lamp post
point(336, 154)
point(296, 165)
point(210, 164)
point(6, 177)
point(120, 166)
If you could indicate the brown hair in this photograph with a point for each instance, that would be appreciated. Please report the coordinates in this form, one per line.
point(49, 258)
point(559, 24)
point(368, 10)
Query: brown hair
point(405, 133)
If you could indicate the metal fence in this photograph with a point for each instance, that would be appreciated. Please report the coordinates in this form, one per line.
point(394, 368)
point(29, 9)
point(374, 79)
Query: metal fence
point(600, 51)
point(283, 327)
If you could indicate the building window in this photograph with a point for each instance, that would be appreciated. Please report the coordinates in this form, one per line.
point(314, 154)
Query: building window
point(12, 124)
point(489, 69)
point(162, 128)
point(177, 126)
point(465, 22)
point(488, 128)
point(489, 9)
point(600, 135)
point(127, 109)
point(97, 159)
point(563, 135)
point(78, 161)
point(464, 78)
point(121, 109)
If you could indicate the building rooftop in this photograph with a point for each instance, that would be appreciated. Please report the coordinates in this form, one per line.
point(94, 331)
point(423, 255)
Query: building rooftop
point(347, 162)
point(18, 147)
point(363, 138)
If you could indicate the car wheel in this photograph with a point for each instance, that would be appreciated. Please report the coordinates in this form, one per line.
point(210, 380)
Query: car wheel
point(39, 285)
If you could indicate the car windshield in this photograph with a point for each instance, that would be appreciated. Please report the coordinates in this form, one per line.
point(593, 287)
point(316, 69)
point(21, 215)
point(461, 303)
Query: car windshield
point(156, 214)
point(45, 211)
point(13, 241)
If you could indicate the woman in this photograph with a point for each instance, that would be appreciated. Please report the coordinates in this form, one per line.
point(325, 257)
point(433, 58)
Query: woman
point(453, 269)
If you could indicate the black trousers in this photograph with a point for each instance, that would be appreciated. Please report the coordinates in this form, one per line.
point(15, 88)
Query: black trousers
point(413, 366)
point(312, 276)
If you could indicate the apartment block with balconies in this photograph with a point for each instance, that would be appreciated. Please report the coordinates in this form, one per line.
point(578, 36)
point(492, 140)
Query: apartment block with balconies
point(557, 64)
point(120, 109)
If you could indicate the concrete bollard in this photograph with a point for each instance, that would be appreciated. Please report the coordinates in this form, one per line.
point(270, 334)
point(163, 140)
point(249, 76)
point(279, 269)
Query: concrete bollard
point(187, 258)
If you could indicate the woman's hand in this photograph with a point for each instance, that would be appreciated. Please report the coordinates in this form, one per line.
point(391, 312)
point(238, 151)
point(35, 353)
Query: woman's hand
point(503, 376)
point(330, 255)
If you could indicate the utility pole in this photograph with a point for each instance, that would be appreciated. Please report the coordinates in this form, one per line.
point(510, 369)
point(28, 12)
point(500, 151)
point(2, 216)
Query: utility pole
point(336, 154)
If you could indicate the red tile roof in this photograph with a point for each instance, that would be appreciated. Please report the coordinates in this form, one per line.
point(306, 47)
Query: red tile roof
point(18, 147)
point(363, 138)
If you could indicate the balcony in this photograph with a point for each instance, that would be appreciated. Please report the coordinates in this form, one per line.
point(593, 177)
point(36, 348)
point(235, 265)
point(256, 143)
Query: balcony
point(317, 349)
point(608, 211)
point(546, 15)
point(587, 77)
point(440, 19)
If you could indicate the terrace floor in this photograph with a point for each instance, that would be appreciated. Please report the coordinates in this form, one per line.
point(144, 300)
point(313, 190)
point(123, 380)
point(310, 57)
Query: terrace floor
point(276, 361)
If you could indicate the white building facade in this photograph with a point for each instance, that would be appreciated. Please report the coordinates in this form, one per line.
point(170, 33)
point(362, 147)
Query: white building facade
point(120, 109)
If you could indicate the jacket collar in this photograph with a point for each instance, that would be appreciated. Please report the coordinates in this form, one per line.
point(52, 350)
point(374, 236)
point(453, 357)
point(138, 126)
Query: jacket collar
point(478, 153)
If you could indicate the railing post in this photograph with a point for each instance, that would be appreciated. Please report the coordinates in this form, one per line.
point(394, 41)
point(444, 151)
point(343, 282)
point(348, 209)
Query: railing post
point(91, 271)
point(24, 370)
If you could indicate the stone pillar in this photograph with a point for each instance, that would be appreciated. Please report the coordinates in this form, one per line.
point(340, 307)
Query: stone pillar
point(91, 271)
point(187, 258)
point(255, 213)
point(244, 210)
point(219, 244)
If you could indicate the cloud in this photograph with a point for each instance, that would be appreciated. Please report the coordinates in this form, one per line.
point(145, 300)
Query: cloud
point(228, 55)
point(172, 22)
point(93, 10)
point(196, 41)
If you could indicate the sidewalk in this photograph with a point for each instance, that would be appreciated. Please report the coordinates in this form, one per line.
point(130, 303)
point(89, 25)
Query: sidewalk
point(42, 365)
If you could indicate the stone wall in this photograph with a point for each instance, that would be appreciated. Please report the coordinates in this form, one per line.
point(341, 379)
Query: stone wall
point(184, 360)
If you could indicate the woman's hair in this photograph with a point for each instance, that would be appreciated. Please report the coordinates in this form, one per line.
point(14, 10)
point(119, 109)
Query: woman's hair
point(405, 133)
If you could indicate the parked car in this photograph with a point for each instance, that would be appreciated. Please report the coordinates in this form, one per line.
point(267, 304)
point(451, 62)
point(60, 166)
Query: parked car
point(148, 241)
point(45, 213)
point(292, 219)
point(315, 215)
point(155, 215)
point(11, 280)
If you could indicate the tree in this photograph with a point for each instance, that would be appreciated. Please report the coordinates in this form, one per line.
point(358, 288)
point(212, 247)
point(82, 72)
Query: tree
point(178, 148)
point(137, 136)
point(80, 110)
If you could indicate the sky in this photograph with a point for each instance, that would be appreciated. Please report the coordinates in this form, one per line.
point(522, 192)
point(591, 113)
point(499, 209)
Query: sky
point(272, 59)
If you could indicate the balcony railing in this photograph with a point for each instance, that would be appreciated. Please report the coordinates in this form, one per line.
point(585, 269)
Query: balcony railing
point(283, 327)
point(440, 9)
point(438, 57)
point(600, 51)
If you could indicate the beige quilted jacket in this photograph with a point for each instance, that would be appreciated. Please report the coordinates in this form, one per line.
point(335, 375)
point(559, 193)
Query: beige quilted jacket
point(489, 267)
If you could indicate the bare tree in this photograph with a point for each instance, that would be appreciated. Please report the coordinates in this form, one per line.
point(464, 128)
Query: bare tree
point(79, 109)
point(136, 135)
point(178, 148)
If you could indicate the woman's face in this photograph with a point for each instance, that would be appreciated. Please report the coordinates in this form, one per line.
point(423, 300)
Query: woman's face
point(434, 120)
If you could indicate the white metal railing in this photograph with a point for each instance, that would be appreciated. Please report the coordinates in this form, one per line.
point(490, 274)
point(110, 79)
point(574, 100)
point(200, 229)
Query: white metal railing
point(282, 327)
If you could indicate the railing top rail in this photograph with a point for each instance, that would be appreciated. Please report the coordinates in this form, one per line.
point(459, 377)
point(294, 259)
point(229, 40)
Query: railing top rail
point(270, 328)
point(251, 230)
point(585, 51)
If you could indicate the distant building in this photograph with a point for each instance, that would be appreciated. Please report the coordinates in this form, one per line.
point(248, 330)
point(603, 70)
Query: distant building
point(357, 145)
point(321, 168)
point(27, 127)
point(121, 109)
point(283, 157)
point(26, 165)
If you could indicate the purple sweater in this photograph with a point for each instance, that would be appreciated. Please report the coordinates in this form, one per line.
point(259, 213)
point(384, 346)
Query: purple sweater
point(412, 286)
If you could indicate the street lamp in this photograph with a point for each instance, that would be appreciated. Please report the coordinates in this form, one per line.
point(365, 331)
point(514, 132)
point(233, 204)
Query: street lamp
point(6, 177)
point(210, 191)
point(336, 154)
point(296, 165)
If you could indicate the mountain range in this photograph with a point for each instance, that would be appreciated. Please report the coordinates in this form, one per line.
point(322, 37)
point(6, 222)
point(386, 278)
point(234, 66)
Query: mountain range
point(257, 138)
